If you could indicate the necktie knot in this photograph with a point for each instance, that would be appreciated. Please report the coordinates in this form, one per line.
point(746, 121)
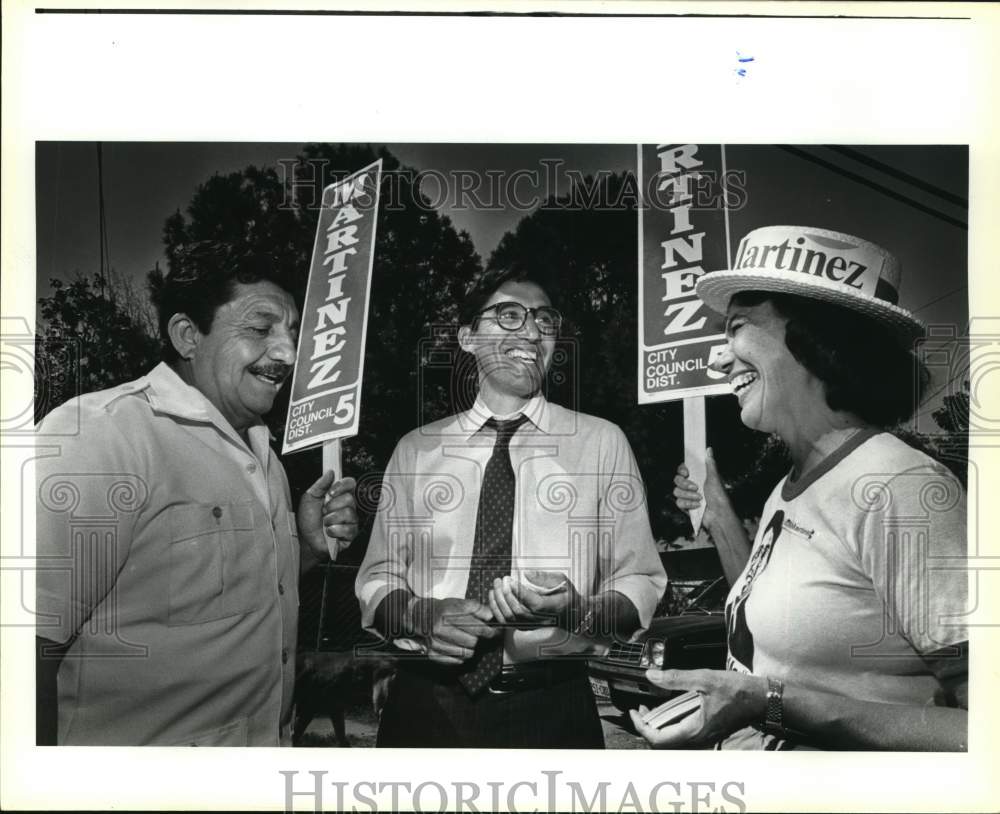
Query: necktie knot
point(505, 429)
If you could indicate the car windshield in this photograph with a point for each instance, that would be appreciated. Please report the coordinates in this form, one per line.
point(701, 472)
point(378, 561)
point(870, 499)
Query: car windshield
point(708, 597)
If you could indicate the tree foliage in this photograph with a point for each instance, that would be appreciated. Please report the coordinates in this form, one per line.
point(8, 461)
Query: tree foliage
point(950, 446)
point(96, 334)
point(953, 416)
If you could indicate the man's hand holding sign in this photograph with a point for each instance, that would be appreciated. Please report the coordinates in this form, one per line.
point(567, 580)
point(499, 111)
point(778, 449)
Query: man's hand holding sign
point(327, 519)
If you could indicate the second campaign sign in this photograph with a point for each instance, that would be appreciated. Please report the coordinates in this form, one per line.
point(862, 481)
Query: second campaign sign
point(326, 387)
point(682, 235)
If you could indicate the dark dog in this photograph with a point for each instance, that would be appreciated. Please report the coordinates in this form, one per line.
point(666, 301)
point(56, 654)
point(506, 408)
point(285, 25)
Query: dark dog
point(326, 682)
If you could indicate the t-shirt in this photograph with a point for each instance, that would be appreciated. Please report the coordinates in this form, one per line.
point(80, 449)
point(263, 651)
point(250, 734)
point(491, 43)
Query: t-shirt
point(857, 569)
point(168, 546)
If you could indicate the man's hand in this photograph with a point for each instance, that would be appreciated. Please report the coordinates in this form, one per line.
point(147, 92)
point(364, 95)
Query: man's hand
point(327, 518)
point(729, 701)
point(451, 627)
point(538, 599)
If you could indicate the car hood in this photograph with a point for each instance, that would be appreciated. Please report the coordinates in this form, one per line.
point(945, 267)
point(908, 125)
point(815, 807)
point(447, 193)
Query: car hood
point(688, 623)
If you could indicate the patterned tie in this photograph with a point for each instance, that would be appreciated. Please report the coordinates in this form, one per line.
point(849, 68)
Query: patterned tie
point(492, 549)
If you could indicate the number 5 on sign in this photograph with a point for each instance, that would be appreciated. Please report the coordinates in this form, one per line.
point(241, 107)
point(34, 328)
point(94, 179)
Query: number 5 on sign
point(344, 414)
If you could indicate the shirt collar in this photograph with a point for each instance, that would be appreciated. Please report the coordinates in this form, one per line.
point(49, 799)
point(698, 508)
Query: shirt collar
point(169, 393)
point(536, 410)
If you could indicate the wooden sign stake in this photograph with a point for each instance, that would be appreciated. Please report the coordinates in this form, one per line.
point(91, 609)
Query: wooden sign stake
point(694, 450)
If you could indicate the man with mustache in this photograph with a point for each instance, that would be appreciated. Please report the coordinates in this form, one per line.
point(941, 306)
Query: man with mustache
point(168, 551)
point(511, 542)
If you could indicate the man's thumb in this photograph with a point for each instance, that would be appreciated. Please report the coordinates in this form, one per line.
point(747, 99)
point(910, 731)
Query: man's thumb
point(318, 489)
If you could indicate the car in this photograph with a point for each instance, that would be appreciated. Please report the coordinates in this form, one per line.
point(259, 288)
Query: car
point(695, 638)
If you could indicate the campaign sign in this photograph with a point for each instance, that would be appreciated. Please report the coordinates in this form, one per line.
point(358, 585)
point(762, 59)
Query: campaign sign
point(326, 388)
point(682, 234)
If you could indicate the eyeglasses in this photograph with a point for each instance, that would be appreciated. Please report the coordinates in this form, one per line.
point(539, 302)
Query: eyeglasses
point(511, 316)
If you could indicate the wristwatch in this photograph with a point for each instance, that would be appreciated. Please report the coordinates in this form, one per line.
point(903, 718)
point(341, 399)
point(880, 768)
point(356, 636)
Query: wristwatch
point(774, 715)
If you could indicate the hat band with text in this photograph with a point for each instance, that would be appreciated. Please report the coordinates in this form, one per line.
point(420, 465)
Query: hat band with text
point(860, 267)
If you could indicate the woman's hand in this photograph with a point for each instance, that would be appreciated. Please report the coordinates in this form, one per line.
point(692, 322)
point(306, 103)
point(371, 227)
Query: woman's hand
point(729, 702)
point(689, 497)
point(720, 519)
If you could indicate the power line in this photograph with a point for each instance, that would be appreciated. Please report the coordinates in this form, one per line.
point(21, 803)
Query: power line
point(853, 176)
point(938, 299)
point(899, 175)
point(104, 270)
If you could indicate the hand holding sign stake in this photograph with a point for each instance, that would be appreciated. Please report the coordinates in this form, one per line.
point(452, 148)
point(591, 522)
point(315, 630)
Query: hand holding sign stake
point(326, 389)
point(694, 451)
point(332, 460)
point(680, 237)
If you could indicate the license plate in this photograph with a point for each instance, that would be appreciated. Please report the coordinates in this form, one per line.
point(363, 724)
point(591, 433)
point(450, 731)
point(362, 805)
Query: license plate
point(600, 688)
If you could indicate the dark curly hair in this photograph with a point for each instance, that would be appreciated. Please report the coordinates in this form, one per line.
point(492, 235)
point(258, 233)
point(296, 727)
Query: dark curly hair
point(202, 278)
point(862, 365)
point(488, 284)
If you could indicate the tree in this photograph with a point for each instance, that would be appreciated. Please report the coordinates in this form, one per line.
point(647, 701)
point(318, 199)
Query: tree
point(953, 417)
point(950, 446)
point(90, 340)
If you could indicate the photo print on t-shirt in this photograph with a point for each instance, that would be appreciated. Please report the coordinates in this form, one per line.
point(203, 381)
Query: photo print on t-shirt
point(740, 638)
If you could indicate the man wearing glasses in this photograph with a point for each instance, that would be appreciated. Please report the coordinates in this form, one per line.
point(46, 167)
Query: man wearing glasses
point(511, 542)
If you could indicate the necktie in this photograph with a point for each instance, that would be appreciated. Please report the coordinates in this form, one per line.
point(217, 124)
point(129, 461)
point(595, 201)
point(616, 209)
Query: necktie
point(491, 551)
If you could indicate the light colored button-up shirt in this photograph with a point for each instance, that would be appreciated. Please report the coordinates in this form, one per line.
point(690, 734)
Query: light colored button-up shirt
point(580, 509)
point(168, 547)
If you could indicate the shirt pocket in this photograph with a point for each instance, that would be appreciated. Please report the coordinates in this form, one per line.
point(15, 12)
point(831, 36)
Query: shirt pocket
point(216, 562)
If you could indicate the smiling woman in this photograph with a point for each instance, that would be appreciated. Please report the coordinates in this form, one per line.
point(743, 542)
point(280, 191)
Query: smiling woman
point(838, 628)
point(791, 351)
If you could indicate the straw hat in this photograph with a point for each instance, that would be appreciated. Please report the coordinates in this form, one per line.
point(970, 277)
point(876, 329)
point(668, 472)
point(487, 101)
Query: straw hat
point(819, 264)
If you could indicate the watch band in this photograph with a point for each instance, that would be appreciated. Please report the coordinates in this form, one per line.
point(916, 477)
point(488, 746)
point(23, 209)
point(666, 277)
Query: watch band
point(774, 715)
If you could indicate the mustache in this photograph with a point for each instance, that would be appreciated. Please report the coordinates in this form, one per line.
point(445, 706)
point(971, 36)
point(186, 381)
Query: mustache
point(276, 370)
